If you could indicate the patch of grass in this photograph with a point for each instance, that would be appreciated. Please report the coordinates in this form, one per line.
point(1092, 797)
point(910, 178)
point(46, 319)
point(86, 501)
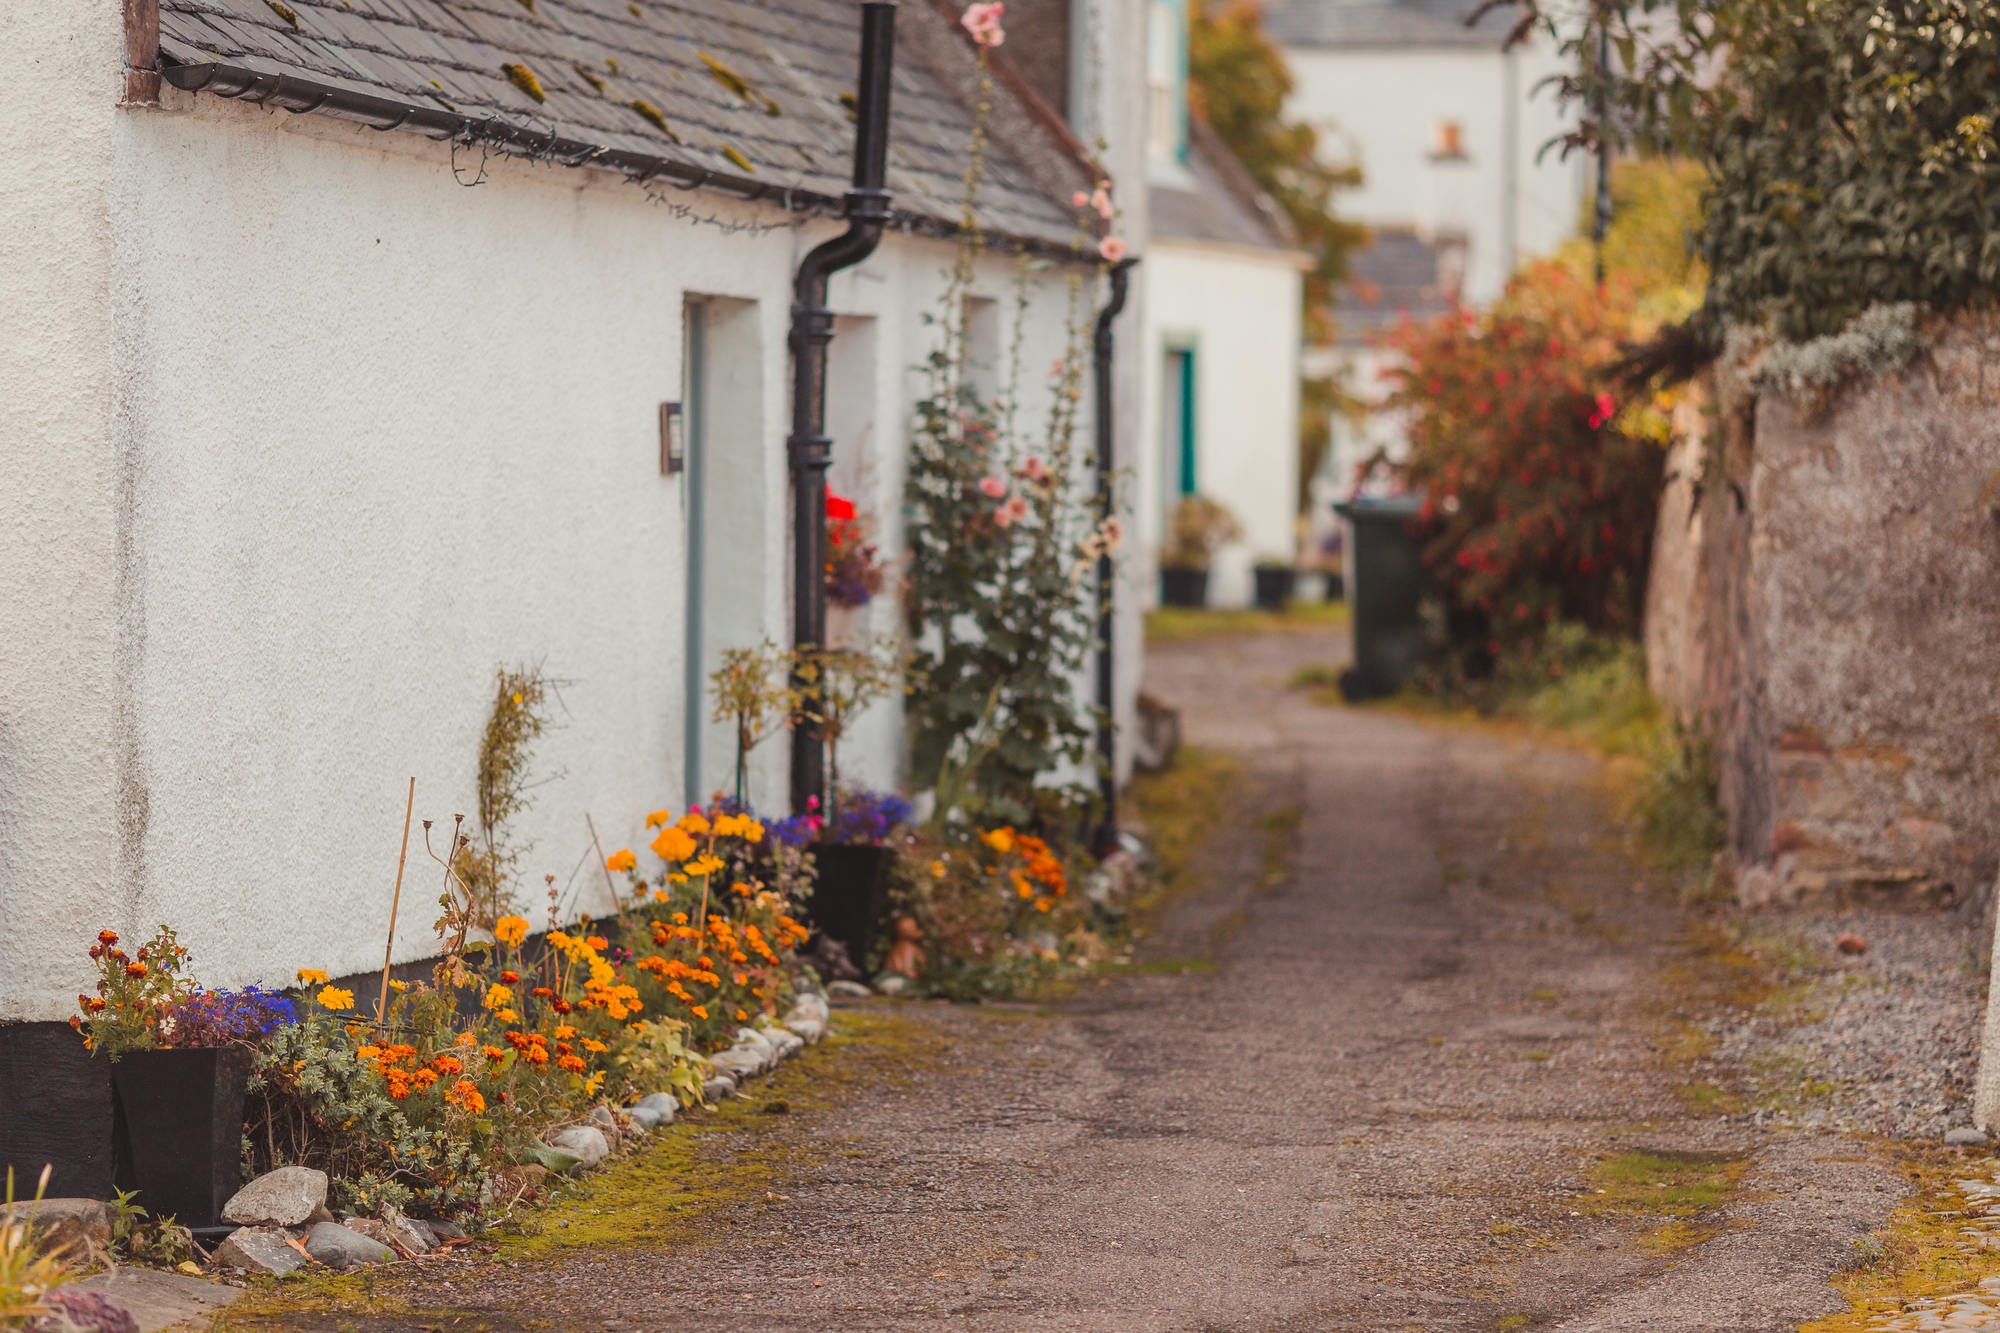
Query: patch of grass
point(1314, 677)
point(1280, 828)
point(1663, 1181)
point(1182, 808)
point(1924, 1252)
point(1705, 1098)
point(1509, 1321)
point(1167, 623)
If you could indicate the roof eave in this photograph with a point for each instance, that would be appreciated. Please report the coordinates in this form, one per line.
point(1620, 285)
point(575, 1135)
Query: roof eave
point(306, 96)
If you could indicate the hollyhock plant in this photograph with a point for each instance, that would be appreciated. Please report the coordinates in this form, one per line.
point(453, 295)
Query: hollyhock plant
point(983, 22)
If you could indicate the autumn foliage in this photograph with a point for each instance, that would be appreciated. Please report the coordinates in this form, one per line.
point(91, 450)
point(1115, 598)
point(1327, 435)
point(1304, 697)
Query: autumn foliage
point(1540, 480)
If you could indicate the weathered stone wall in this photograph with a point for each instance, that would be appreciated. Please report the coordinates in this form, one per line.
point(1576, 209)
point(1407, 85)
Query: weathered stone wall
point(1828, 608)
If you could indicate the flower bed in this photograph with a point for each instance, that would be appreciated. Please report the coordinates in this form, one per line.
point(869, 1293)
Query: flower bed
point(422, 1097)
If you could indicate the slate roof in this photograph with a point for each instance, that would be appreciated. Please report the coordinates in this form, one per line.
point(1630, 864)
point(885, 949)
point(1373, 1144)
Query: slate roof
point(1224, 203)
point(1350, 23)
point(744, 95)
point(1398, 272)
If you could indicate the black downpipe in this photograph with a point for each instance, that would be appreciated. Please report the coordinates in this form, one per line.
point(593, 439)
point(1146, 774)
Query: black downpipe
point(1107, 730)
point(809, 450)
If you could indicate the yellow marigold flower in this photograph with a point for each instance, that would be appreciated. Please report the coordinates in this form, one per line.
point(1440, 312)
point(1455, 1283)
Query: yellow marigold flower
point(511, 930)
point(659, 818)
point(1044, 904)
point(508, 1016)
point(694, 823)
point(659, 895)
point(673, 844)
point(1000, 840)
point(399, 985)
point(333, 997)
point(564, 1032)
point(497, 997)
point(369, 1053)
point(704, 865)
point(594, 1046)
point(312, 976)
point(622, 859)
point(937, 870)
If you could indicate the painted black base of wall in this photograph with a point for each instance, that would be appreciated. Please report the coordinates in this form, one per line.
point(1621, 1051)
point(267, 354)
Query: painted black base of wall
point(55, 1110)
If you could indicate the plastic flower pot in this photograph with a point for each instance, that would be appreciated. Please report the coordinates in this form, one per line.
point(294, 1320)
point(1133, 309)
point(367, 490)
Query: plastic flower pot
point(1183, 587)
point(850, 893)
point(177, 1129)
point(1275, 584)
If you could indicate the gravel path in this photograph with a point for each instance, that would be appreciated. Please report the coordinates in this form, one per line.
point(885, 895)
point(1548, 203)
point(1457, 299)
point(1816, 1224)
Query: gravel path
point(1376, 1096)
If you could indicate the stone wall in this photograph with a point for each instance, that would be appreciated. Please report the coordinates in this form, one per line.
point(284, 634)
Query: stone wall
point(1826, 605)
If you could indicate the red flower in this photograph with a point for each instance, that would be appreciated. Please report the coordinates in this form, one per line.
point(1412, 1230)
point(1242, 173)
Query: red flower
point(836, 507)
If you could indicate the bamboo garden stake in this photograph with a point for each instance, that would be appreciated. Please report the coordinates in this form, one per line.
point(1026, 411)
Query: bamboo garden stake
point(395, 905)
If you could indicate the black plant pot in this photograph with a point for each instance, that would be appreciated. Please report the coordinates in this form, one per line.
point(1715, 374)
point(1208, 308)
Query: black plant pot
point(850, 893)
point(1183, 587)
point(1275, 584)
point(178, 1130)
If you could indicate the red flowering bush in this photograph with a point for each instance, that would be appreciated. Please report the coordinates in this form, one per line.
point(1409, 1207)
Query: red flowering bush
point(1539, 479)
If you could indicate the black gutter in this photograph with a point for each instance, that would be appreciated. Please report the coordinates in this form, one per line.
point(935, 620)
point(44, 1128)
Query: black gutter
point(1107, 721)
point(809, 450)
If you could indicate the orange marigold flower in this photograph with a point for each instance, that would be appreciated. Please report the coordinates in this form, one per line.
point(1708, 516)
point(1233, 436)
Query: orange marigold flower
point(699, 1011)
point(107, 937)
point(535, 1055)
point(135, 969)
point(742, 1016)
point(464, 1095)
point(561, 1006)
point(541, 992)
point(510, 977)
point(574, 1064)
point(423, 1078)
point(594, 1046)
point(659, 817)
point(622, 859)
point(564, 1032)
point(598, 942)
point(493, 1052)
point(511, 930)
point(673, 845)
point(562, 1048)
point(465, 1039)
point(446, 1064)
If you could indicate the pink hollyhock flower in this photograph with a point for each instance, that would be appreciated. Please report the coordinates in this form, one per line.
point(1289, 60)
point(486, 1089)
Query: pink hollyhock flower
point(1035, 470)
point(983, 22)
point(1080, 199)
point(1013, 511)
point(1100, 199)
point(992, 487)
point(1606, 409)
point(1113, 248)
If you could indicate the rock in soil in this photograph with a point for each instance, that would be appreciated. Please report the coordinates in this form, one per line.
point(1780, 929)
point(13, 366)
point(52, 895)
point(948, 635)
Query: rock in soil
point(583, 1141)
point(719, 1088)
point(740, 1062)
point(661, 1104)
point(848, 990)
point(1964, 1137)
point(407, 1234)
point(266, 1251)
point(287, 1197)
point(74, 1224)
point(159, 1300)
point(341, 1247)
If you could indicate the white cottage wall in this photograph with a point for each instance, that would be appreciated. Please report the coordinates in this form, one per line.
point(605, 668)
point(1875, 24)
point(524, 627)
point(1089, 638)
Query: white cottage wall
point(65, 811)
point(375, 436)
point(1238, 311)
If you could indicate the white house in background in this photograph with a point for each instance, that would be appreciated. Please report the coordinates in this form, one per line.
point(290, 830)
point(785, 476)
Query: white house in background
point(1446, 125)
point(1223, 277)
point(1448, 128)
point(304, 437)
